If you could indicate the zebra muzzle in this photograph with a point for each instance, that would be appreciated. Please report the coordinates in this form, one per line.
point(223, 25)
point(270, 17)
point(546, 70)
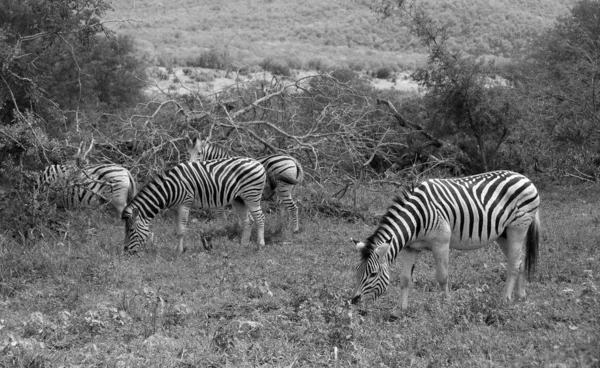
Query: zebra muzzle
point(355, 300)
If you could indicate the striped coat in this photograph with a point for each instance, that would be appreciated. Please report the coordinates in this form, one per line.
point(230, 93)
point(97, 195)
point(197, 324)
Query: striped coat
point(216, 183)
point(285, 170)
point(462, 213)
point(91, 186)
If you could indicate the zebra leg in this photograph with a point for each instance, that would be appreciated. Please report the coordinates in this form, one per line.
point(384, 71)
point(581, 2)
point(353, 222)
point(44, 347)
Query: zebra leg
point(259, 220)
point(242, 212)
point(441, 253)
point(408, 258)
point(512, 246)
point(285, 193)
point(119, 198)
point(183, 212)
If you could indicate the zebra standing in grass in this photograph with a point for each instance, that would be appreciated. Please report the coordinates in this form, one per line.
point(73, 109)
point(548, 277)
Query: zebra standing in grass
point(238, 181)
point(462, 213)
point(284, 169)
point(90, 186)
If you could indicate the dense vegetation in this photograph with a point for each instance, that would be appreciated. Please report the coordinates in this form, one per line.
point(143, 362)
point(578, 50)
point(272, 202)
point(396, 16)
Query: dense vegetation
point(340, 33)
point(70, 75)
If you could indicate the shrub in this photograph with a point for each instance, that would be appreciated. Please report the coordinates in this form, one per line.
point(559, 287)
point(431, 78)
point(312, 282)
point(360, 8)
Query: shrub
point(276, 67)
point(344, 75)
point(318, 65)
point(384, 72)
point(215, 58)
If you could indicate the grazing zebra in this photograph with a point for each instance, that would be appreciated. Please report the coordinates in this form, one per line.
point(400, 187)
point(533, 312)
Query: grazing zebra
point(238, 181)
point(462, 213)
point(90, 186)
point(285, 170)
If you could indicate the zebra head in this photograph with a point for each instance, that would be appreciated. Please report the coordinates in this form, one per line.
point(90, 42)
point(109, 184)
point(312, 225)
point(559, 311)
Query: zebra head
point(197, 149)
point(372, 274)
point(137, 229)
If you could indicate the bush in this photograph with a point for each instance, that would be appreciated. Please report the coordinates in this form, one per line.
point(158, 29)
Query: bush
point(383, 73)
point(318, 65)
point(215, 58)
point(276, 67)
point(344, 75)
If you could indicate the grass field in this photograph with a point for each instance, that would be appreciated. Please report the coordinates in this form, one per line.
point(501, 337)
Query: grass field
point(76, 301)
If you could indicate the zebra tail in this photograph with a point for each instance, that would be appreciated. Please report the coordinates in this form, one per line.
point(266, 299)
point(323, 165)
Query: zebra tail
point(300, 172)
point(272, 181)
point(531, 248)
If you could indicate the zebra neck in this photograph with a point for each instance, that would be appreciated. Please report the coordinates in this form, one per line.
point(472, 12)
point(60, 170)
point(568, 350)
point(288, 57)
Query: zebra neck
point(153, 198)
point(400, 226)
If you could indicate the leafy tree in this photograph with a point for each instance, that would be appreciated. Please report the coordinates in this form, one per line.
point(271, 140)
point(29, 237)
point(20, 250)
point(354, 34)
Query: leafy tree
point(56, 61)
point(119, 74)
point(36, 38)
point(463, 99)
point(564, 76)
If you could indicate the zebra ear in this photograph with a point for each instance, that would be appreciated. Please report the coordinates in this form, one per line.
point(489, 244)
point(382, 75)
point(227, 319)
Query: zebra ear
point(135, 212)
point(193, 139)
point(382, 251)
point(359, 245)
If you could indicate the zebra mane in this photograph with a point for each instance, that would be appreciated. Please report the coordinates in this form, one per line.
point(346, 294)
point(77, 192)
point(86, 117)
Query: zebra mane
point(221, 147)
point(399, 200)
point(367, 250)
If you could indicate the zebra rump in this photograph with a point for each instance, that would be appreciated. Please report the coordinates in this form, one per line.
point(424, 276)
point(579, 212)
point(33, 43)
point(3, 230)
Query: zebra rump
point(283, 173)
point(90, 186)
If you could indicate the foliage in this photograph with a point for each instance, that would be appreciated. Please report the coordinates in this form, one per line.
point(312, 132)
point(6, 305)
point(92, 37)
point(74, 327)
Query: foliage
point(463, 101)
point(214, 58)
point(340, 31)
point(40, 40)
point(383, 73)
point(119, 75)
point(276, 67)
point(562, 73)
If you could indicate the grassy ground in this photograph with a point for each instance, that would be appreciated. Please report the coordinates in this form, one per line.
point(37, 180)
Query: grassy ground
point(75, 301)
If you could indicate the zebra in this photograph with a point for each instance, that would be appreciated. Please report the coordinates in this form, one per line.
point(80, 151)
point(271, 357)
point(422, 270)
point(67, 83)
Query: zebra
point(216, 183)
point(90, 186)
point(461, 213)
point(285, 170)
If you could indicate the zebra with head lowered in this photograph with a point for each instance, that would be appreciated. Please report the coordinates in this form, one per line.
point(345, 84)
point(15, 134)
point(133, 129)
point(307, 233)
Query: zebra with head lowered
point(462, 213)
point(84, 185)
point(284, 169)
point(238, 181)
point(90, 186)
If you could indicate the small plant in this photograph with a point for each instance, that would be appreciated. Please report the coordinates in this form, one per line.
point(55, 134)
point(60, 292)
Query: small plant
point(276, 67)
point(383, 73)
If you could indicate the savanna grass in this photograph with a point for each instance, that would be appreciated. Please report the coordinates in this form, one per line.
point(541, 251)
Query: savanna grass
point(76, 300)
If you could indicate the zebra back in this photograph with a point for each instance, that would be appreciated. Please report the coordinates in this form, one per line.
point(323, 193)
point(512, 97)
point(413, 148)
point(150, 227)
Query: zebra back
point(202, 150)
point(278, 166)
point(478, 209)
point(206, 184)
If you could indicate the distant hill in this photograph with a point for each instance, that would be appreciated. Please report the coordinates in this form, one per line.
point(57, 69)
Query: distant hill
point(333, 31)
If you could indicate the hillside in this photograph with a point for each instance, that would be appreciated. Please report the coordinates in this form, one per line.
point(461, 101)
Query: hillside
point(336, 31)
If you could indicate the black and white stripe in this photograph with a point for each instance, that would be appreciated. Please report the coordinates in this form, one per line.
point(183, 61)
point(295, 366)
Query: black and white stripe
point(462, 213)
point(90, 186)
point(285, 170)
point(238, 181)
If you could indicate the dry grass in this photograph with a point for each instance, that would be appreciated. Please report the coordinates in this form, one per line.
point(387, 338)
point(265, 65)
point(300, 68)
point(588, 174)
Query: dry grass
point(76, 301)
